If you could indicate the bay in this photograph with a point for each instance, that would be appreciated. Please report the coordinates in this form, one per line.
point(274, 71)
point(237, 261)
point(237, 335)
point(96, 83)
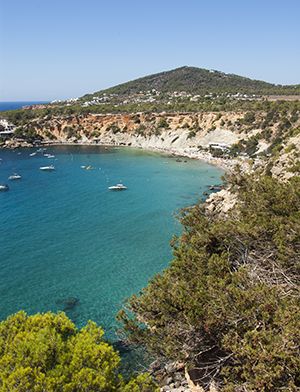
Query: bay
point(68, 243)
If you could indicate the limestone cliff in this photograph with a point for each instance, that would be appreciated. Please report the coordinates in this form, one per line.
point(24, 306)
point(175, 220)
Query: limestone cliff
point(252, 139)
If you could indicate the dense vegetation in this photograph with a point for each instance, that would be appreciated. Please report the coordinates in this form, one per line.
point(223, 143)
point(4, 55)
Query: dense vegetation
point(46, 352)
point(197, 81)
point(22, 117)
point(228, 305)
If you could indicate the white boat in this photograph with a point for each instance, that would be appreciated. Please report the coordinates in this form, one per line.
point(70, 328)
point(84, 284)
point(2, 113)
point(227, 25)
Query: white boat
point(118, 187)
point(32, 154)
point(47, 168)
point(89, 167)
point(4, 187)
point(50, 156)
point(15, 177)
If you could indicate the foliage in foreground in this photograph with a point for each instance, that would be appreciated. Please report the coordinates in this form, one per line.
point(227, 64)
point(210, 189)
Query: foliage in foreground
point(229, 303)
point(46, 352)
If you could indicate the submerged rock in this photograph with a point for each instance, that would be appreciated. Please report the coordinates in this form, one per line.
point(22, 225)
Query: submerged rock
point(68, 303)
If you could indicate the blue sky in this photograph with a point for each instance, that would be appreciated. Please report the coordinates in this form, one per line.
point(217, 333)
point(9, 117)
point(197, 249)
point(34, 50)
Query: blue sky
point(66, 48)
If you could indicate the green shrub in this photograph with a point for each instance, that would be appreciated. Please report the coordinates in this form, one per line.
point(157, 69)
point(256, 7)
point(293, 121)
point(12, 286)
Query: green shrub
point(141, 130)
point(295, 168)
point(49, 135)
point(284, 124)
point(46, 352)
point(249, 118)
point(113, 128)
point(191, 134)
point(94, 134)
point(228, 305)
point(248, 147)
point(290, 148)
point(27, 133)
point(70, 132)
point(163, 123)
point(136, 119)
point(157, 131)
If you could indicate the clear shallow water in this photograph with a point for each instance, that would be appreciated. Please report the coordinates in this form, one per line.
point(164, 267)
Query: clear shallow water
point(63, 234)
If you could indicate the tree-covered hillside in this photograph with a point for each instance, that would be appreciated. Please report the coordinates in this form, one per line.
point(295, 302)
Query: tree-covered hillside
point(197, 81)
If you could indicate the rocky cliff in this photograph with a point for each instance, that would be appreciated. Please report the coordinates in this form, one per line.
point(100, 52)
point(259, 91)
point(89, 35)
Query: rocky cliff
point(252, 139)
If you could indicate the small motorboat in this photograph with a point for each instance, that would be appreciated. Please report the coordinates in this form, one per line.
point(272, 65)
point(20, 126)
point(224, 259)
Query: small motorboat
point(50, 156)
point(4, 187)
point(15, 176)
point(89, 167)
point(47, 168)
point(118, 187)
point(32, 154)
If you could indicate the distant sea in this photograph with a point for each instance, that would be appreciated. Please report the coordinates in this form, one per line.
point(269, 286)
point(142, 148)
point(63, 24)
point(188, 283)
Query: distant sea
point(18, 105)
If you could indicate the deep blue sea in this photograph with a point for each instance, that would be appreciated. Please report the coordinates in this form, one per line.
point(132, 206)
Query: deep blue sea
point(68, 243)
point(18, 105)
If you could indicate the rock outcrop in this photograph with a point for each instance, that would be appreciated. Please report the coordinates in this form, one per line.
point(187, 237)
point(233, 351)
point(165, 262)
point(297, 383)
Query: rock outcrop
point(221, 202)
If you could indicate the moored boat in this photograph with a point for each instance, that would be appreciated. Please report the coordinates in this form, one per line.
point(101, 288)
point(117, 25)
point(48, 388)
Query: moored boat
point(4, 187)
point(47, 168)
point(118, 187)
point(15, 176)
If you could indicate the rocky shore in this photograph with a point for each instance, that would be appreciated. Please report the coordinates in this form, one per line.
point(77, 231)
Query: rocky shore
point(175, 377)
point(13, 144)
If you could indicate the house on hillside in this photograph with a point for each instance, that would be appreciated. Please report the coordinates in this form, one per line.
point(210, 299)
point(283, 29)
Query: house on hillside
point(219, 146)
point(6, 128)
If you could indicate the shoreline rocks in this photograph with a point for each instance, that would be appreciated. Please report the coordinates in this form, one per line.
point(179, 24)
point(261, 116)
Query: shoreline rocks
point(13, 144)
point(174, 377)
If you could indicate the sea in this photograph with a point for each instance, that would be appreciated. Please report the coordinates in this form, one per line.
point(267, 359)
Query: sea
point(18, 105)
point(68, 243)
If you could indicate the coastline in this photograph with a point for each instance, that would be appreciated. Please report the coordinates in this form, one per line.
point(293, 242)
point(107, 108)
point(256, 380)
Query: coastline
point(181, 150)
point(186, 135)
point(227, 165)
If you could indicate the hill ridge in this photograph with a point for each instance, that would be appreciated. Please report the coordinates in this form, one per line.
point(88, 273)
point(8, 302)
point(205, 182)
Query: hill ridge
point(196, 80)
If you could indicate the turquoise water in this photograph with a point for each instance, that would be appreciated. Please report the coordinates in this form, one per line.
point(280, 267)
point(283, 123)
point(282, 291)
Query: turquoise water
point(68, 243)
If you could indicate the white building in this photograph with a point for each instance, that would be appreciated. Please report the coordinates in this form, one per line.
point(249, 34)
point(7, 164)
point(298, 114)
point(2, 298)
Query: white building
point(8, 128)
point(219, 146)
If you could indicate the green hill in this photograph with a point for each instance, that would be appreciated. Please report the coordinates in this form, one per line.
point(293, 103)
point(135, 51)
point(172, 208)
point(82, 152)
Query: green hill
point(197, 81)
